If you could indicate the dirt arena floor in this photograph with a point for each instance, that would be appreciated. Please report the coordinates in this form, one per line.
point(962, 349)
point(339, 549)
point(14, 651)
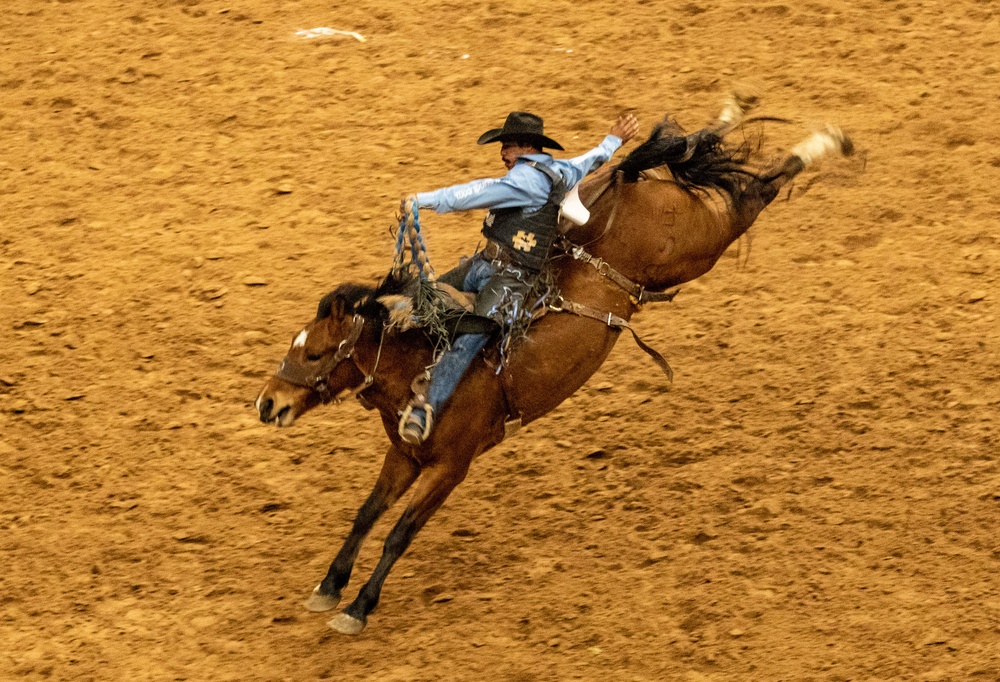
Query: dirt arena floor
point(816, 497)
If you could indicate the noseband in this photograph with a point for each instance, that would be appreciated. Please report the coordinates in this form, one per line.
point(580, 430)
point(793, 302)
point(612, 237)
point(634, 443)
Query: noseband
point(316, 378)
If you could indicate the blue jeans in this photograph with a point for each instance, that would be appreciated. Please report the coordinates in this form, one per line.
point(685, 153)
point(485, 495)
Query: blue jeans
point(452, 366)
point(502, 289)
point(478, 275)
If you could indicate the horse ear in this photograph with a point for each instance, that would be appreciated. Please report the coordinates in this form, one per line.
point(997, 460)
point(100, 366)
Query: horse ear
point(325, 308)
point(335, 302)
point(347, 298)
point(343, 305)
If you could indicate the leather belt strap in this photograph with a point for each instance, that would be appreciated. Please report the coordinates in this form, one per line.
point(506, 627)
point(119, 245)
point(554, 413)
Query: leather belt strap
point(615, 322)
point(636, 291)
point(497, 254)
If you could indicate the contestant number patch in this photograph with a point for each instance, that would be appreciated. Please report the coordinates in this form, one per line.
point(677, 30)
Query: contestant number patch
point(524, 241)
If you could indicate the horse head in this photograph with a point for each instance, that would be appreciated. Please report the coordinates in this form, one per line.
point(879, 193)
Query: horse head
point(319, 365)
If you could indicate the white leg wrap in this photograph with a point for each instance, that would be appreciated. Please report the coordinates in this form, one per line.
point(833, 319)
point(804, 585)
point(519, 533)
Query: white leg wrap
point(732, 113)
point(819, 144)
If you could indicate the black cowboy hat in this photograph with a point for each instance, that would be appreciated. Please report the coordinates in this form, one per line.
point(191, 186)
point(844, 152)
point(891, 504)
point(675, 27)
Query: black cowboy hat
point(520, 124)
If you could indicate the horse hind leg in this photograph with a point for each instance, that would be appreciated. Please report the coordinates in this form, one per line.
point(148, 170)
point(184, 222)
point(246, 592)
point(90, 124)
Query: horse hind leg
point(734, 110)
point(830, 140)
point(763, 190)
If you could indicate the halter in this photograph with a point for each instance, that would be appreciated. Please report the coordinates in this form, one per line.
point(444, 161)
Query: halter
point(317, 379)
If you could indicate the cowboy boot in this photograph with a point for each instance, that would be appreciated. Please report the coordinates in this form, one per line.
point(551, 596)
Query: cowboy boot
point(415, 421)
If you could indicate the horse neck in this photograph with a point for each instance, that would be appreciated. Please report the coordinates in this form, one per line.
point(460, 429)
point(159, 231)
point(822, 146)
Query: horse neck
point(404, 355)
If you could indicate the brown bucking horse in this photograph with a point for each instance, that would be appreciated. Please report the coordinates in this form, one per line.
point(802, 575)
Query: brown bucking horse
point(661, 217)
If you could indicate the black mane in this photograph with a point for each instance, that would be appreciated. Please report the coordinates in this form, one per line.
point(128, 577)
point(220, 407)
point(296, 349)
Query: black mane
point(362, 299)
point(698, 162)
point(349, 296)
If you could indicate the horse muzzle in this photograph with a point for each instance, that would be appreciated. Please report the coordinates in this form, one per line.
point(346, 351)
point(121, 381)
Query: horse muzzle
point(275, 410)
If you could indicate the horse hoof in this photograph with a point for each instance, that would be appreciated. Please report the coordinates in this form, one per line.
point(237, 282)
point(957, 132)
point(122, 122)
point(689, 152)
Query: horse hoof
point(319, 602)
point(846, 144)
point(346, 625)
point(736, 106)
point(747, 99)
point(823, 142)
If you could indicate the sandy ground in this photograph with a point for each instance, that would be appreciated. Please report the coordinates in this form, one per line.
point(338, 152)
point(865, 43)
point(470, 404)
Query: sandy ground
point(815, 498)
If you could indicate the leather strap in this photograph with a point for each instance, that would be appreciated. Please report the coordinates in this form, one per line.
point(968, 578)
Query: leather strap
point(636, 291)
point(615, 322)
point(315, 378)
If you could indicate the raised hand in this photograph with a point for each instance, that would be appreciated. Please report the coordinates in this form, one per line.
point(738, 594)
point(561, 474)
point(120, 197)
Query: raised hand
point(625, 127)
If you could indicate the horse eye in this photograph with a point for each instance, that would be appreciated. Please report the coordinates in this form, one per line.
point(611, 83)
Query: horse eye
point(313, 357)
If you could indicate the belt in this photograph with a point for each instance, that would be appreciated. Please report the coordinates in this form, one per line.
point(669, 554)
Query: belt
point(496, 253)
point(501, 257)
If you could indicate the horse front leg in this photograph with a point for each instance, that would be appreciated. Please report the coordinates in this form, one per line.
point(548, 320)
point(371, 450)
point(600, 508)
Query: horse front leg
point(397, 475)
point(435, 486)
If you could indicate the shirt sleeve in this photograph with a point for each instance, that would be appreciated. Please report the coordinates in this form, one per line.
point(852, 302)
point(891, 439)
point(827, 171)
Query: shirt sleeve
point(575, 169)
point(516, 189)
point(522, 187)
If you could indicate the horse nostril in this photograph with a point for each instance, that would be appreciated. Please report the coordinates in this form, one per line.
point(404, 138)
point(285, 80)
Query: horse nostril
point(265, 410)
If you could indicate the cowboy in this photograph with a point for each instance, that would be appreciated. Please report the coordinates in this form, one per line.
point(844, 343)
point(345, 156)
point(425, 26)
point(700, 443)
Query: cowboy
point(520, 228)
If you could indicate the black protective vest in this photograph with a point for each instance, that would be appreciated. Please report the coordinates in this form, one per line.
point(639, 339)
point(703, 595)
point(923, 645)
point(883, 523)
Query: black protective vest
point(527, 237)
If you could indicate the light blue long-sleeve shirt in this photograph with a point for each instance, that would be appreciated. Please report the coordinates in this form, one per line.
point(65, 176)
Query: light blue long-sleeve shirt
point(523, 186)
